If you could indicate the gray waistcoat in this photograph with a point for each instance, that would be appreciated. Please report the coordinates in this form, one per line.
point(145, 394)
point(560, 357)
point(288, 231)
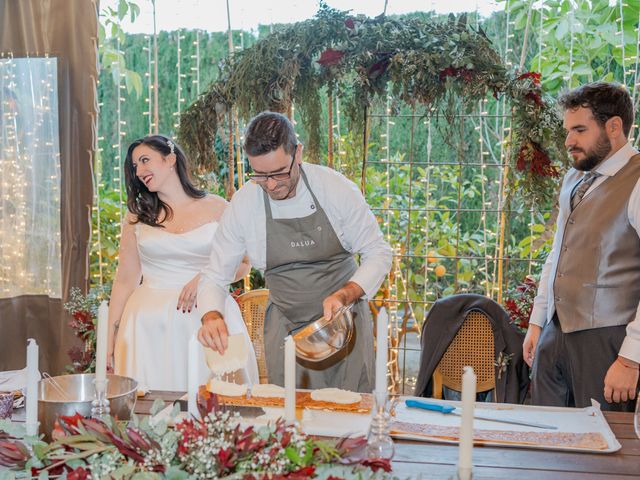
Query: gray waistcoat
point(597, 281)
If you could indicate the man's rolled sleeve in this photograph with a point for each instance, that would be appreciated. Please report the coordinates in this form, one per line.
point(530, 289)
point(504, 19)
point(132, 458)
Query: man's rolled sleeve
point(630, 347)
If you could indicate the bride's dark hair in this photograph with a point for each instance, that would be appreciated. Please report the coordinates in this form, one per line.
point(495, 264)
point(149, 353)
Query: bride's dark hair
point(146, 205)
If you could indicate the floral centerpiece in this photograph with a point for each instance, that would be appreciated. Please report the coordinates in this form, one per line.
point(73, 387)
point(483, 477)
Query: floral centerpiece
point(519, 303)
point(214, 447)
point(84, 311)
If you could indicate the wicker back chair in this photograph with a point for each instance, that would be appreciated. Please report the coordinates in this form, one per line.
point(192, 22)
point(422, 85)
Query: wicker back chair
point(253, 305)
point(473, 346)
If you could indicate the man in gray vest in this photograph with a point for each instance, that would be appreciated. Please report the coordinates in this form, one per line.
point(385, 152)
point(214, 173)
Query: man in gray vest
point(584, 335)
point(301, 224)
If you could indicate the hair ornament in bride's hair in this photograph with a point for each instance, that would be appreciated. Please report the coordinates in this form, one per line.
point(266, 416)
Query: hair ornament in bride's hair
point(171, 146)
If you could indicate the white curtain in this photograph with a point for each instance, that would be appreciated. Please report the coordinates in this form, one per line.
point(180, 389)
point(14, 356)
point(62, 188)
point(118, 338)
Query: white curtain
point(30, 181)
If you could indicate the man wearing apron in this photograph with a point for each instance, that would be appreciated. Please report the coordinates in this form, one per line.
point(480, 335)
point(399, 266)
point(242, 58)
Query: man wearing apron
point(302, 224)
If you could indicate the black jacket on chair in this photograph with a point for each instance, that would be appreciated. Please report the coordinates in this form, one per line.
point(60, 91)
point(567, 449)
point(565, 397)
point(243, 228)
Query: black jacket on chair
point(443, 322)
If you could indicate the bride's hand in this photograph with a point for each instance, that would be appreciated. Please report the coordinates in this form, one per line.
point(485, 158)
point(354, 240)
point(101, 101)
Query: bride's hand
point(188, 295)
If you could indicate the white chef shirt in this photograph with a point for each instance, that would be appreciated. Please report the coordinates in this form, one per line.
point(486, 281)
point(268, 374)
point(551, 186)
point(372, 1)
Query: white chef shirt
point(242, 230)
point(543, 304)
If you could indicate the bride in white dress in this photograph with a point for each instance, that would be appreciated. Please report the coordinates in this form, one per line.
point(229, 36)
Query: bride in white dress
point(165, 243)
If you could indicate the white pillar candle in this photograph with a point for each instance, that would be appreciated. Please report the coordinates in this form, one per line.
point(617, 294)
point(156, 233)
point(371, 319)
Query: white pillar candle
point(33, 375)
point(101, 342)
point(192, 376)
point(465, 464)
point(289, 379)
point(382, 331)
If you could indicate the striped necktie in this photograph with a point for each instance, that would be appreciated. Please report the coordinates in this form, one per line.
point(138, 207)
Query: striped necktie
point(579, 192)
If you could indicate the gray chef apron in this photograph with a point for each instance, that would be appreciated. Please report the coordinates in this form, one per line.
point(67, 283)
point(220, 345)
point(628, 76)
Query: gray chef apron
point(305, 264)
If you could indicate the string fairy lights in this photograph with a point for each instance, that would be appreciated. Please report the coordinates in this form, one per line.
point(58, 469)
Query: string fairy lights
point(149, 93)
point(196, 69)
point(30, 251)
point(180, 76)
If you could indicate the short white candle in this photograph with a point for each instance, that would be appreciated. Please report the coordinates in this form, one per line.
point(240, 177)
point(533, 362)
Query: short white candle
point(101, 342)
point(465, 464)
point(289, 379)
point(382, 330)
point(192, 376)
point(33, 375)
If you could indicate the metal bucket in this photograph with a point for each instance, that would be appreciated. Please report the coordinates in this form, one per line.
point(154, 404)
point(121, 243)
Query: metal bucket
point(79, 392)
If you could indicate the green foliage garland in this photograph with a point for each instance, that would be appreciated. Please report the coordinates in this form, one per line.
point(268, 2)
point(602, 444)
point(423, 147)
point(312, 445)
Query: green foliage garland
point(360, 59)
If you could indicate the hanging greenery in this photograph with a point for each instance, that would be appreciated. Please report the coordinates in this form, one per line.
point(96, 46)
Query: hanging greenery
point(358, 59)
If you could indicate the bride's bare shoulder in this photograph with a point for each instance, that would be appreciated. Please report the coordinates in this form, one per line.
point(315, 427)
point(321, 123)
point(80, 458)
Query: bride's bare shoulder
point(216, 204)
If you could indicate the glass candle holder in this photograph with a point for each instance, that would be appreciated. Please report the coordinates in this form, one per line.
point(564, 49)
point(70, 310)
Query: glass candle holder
point(379, 441)
point(100, 405)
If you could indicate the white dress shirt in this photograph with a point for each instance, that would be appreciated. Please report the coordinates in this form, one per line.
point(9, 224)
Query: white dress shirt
point(242, 232)
point(543, 304)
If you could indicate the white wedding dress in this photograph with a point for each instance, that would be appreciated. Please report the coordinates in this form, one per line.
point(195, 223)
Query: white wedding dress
point(153, 338)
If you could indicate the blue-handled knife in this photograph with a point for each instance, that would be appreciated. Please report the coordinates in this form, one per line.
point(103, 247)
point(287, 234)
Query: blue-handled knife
point(449, 409)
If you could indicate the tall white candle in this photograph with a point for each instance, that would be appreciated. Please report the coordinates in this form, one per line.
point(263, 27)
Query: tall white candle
point(289, 379)
point(33, 375)
point(101, 342)
point(465, 464)
point(192, 376)
point(382, 330)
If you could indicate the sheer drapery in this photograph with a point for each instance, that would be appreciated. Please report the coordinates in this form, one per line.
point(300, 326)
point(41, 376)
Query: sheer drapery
point(29, 178)
point(65, 33)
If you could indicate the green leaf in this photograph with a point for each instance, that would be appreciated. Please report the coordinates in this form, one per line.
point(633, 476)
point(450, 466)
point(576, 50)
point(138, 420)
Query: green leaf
point(75, 463)
point(134, 11)
point(133, 82)
point(174, 473)
point(123, 472)
point(146, 476)
point(308, 455)
point(122, 9)
point(293, 455)
point(158, 405)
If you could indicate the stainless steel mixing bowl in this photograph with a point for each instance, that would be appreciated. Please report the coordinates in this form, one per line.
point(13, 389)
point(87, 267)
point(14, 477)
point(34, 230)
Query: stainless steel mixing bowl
point(75, 394)
point(324, 338)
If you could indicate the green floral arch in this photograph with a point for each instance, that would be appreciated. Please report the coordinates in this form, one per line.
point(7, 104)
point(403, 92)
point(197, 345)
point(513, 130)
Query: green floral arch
point(358, 59)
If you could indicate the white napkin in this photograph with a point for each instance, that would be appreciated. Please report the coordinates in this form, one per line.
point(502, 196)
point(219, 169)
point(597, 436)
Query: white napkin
point(13, 380)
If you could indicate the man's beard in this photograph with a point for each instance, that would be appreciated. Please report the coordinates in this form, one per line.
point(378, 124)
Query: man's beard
point(595, 156)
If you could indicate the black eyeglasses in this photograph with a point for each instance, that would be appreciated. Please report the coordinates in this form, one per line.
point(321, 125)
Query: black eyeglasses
point(276, 176)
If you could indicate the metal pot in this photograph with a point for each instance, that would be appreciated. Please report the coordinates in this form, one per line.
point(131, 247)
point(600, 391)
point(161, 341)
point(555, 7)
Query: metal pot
point(322, 338)
point(70, 394)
